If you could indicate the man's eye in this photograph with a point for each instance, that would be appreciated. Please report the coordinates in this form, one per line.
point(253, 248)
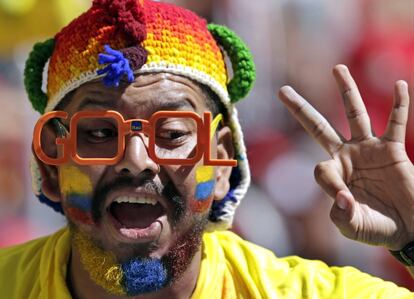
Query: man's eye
point(101, 134)
point(172, 135)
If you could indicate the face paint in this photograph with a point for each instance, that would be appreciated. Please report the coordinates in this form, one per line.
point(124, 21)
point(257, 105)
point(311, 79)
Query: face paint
point(77, 215)
point(204, 189)
point(143, 276)
point(100, 265)
point(138, 276)
point(77, 188)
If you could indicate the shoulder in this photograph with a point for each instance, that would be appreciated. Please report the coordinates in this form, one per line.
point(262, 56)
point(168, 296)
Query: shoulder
point(31, 248)
point(21, 265)
point(26, 253)
point(231, 245)
point(245, 256)
point(260, 269)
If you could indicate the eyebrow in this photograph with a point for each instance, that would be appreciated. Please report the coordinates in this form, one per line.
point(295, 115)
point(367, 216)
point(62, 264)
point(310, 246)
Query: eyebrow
point(153, 106)
point(171, 105)
point(90, 101)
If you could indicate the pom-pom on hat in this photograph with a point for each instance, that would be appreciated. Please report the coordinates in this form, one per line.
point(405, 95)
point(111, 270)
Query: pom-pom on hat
point(125, 38)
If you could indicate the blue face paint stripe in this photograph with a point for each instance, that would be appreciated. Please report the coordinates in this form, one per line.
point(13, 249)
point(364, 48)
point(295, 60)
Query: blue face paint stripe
point(204, 190)
point(81, 202)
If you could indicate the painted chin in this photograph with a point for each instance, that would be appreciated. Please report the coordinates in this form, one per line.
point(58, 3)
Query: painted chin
point(136, 276)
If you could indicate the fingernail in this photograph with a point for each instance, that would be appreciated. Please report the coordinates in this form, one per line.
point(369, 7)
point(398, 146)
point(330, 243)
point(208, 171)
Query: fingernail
point(342, 202)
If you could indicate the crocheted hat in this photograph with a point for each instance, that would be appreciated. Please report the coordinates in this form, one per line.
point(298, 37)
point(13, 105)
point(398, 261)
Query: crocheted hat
point(125, 38)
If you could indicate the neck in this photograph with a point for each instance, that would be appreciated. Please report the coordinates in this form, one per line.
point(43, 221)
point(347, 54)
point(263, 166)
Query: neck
point(83, 287)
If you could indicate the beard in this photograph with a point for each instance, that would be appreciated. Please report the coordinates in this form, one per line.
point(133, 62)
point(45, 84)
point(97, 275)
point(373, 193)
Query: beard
point(138, 273)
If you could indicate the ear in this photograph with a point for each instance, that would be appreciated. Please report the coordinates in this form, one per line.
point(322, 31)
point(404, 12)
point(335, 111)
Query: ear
point(49, 173)
point(225, 150)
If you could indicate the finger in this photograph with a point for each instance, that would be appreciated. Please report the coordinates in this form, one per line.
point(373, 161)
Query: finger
point(311, 120)
point(356, 112)
point(397, 122)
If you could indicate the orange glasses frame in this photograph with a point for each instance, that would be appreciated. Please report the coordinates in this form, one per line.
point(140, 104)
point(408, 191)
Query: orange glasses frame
point(129, 127)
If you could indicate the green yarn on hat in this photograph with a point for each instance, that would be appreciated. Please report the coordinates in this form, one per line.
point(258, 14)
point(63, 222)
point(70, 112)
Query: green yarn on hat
point(33, 73)
point(241, 58)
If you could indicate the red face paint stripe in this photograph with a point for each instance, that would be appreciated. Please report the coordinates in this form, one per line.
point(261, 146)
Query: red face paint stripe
point(200, 206)
point(79, 215)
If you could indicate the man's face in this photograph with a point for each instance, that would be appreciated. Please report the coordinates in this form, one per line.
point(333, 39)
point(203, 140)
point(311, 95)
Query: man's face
point(137, 208)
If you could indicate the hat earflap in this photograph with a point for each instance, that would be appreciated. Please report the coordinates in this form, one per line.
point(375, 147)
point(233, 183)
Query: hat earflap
point(33, 73)
point(244, 71)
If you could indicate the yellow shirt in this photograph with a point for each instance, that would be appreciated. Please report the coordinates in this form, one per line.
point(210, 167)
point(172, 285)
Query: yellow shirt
point(230, 268)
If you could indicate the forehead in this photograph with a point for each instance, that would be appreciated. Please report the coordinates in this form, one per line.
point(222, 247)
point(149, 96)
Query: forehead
point(147, 94)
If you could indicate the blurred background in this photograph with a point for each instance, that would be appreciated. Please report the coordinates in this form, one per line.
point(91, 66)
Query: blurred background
point(295, 42)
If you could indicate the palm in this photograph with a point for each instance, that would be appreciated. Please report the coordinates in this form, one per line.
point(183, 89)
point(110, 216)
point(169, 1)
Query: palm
point(370, 178)
point(376, 180)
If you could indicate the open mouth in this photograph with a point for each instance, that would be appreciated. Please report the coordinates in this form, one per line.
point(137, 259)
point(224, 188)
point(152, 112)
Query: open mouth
point(135, 217)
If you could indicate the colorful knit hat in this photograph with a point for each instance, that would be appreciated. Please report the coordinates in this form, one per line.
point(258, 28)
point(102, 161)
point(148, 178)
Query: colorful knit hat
point(124, 38)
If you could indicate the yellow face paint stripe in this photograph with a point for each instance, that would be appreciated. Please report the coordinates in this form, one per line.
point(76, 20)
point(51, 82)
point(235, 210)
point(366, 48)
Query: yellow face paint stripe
point(73, 181)
point(204, 174)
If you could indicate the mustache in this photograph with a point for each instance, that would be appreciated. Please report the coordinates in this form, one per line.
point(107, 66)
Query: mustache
point(168, 191)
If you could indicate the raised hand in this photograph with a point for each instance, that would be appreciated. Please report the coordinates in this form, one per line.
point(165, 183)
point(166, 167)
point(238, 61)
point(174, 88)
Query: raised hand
point(371, 179)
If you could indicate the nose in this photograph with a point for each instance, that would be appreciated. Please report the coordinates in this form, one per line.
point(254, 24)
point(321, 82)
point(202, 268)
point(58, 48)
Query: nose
point(136, 159)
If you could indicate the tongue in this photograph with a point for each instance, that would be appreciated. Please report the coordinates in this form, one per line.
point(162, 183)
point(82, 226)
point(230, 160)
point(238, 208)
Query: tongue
point(132, 215)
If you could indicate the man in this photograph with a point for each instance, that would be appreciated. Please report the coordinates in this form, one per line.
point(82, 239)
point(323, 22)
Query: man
point(136, 145)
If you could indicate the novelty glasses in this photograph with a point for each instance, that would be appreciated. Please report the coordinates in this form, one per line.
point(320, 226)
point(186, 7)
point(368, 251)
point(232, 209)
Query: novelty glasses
point(98, 137)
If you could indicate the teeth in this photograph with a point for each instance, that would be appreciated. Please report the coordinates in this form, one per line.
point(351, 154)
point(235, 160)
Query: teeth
point(139, 200)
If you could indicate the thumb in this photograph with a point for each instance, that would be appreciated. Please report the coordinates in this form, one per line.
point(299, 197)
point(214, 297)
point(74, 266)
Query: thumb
point(343, 213)
point(329, 176)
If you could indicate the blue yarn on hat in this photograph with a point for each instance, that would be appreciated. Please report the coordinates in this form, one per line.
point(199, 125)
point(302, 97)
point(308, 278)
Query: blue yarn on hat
point(217, 208)
point(117, 67)
point(143, 276)
point(56, 206)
